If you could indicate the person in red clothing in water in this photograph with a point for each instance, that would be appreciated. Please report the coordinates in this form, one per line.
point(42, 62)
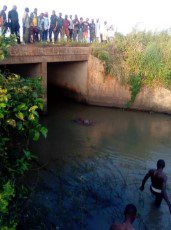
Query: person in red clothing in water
point(158, 183)
point(130, 216)
point(66, 24)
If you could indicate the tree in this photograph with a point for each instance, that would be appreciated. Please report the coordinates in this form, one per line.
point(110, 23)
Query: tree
point(20, 103)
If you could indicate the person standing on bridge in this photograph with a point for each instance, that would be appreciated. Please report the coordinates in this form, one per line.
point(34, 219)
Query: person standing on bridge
point(85, 29)
point(92, 27)
point(158, 183)
point(53, 26)
point(105, 32)
point(40, 25)
point(34, 26)
point(81, 25)
point(13, 21)
point(59, 26)
point(98, 30)
point(66, 24)
point(76, 28)
point(45, 27)
point(26, 25)
point(71, 27)
point(3, 20)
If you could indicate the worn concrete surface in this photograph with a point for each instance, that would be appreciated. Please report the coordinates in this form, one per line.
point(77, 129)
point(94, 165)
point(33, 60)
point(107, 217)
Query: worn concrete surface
point(107, 91)
point(22, 54)
point(76, 71)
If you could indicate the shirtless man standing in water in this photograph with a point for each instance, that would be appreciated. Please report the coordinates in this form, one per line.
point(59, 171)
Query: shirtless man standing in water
point(158, 183)
point(130, 215)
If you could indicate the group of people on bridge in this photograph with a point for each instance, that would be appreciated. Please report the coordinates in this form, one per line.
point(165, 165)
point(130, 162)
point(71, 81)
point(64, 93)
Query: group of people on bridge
point(39, 27)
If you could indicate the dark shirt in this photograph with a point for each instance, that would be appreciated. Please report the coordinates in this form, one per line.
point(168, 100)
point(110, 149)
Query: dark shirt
point(53, 20)
point(92, 27)
point(3, 15)
point(85, 26)
point(81, 26)
point(13, 16)
point(60, 22)
point(76, 24)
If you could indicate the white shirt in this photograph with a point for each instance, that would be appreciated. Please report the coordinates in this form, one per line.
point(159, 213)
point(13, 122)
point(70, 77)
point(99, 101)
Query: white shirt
point(46, 23)
point(97, 29)
point(105, 32)
point(71, 26)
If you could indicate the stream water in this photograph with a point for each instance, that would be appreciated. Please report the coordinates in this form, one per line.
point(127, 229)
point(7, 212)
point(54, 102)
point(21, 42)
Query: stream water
point(87, 175)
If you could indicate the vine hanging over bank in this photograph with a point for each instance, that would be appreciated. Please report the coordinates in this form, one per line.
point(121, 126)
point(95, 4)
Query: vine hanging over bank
point(135, 86)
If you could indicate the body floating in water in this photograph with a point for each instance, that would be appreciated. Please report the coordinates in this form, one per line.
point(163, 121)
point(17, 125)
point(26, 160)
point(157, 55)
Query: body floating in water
point(85, 122)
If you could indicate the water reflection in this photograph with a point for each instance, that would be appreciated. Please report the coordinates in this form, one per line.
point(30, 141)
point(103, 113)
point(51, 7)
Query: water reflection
point(91, 173)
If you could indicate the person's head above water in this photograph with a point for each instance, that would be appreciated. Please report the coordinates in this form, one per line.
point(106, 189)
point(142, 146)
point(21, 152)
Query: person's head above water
point(130, 212)
point(160, 164)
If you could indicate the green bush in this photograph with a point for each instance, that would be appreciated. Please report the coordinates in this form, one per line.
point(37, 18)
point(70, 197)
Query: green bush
point(143, 54)
point(5, 43)
point(20, 102)
point(135, 86)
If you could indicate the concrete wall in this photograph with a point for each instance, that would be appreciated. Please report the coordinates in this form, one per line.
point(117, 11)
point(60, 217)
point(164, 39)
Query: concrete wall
point(21, 54)
point(31, 60)
point(107, 91)
point(81, 76)
point(69, 76)
point(104, 90)
point(86, 81)
point(158, 100)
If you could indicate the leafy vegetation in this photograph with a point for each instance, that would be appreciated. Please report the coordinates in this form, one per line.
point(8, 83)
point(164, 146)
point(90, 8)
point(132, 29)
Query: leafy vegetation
point(20, 102)
point(64, 43)
point(135, 86)
point(137, 55)
point(5, 43)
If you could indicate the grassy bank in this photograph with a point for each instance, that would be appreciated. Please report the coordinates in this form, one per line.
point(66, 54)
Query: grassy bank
point(138, 59)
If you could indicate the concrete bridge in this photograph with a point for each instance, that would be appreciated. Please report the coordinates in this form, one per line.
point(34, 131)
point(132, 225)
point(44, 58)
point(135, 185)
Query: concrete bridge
point(49, 62)
point(81, 76)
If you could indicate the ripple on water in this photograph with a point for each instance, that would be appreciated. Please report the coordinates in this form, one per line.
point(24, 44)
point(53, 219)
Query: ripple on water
point(96, 171)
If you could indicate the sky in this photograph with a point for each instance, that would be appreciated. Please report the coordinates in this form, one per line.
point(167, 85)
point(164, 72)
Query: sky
point(123, 14)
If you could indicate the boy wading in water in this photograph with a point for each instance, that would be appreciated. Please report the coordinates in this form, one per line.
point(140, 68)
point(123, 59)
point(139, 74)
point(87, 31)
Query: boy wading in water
point(130, 215)
point(158, 184)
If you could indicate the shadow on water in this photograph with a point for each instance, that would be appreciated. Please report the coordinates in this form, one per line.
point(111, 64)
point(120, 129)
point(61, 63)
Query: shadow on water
point(86, 175)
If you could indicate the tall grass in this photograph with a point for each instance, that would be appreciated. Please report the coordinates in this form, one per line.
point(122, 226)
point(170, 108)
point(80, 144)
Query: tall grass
point(143, 54)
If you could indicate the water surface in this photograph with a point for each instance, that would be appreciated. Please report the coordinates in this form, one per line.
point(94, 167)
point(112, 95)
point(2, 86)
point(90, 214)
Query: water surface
point(89, 174)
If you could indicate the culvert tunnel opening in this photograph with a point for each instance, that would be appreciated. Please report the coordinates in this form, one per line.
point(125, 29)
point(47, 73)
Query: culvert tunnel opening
point(67, 81)
point(24, 70)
